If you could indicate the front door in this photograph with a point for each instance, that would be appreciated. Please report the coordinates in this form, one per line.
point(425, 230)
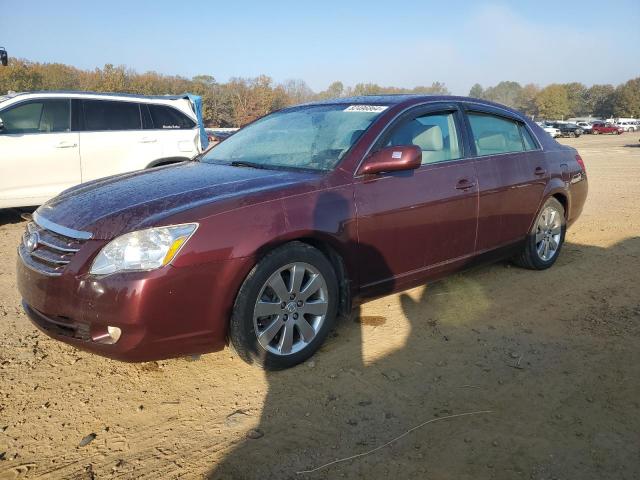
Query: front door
point(409, 222)
point(39, 154)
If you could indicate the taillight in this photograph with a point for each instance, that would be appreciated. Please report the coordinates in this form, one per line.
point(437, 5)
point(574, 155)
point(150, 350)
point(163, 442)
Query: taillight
point(581, 163)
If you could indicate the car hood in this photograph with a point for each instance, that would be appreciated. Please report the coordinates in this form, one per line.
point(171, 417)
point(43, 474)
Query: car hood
point(114, 205)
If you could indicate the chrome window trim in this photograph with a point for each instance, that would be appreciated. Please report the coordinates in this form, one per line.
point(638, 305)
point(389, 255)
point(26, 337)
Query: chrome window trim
point(59, 229)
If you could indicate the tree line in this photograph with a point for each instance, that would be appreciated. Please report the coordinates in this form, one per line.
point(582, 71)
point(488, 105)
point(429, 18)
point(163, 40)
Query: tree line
point(240, 100)
point(564, 100)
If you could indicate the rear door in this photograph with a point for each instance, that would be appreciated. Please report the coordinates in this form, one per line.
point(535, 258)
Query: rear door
point(409, 222)
point(176, 133)
point(113, 140)
point(39, 154)
point(512, 174)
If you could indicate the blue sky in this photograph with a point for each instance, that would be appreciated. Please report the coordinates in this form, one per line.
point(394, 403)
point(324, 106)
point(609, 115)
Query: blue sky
point(401, 43)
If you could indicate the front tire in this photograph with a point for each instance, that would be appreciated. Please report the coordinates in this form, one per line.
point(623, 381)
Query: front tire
point(285, 308)
point(545, 240)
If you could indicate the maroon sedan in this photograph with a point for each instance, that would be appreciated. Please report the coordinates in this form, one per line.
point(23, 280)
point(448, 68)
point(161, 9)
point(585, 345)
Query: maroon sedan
point(272, 234)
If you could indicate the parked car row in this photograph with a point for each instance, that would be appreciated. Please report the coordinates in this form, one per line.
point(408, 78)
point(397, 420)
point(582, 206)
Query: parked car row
point(567, 129)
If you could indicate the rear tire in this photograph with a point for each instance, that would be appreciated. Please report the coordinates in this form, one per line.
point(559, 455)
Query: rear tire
point(285, 308)
point(545, 240)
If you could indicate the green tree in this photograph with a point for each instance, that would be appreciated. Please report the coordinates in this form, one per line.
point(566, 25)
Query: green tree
point(553, 102)
point(577, 97)
point(476, 91)
point(526, 101)
point(600, 100)
point(626, 102)
point(335, 90)
point(506, 93)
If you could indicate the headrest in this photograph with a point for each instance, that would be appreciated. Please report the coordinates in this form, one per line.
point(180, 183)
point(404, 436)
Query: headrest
point(493, 142)
point(430, 139)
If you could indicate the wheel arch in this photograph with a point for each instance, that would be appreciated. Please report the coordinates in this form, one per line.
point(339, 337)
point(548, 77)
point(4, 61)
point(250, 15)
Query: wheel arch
point(337, 254)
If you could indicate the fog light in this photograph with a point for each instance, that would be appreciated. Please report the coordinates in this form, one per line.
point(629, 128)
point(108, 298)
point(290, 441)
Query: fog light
point(114, 333)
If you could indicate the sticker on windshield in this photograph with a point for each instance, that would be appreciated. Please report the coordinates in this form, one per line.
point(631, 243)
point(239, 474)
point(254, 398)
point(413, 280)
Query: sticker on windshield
point(366, 108)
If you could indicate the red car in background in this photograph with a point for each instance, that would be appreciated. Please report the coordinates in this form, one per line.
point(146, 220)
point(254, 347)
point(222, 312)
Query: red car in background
point(268, 237)
point(601, 127)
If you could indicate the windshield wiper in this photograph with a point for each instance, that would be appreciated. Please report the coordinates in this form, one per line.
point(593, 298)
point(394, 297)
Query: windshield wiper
point(242, 163)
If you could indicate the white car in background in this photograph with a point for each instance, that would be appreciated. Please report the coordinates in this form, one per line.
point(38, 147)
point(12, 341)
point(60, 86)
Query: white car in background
point(50, 141)
point(554, 132)
point(628, 126)
point(585, 126)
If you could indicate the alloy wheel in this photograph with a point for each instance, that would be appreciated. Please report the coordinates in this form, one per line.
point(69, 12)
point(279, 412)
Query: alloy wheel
point(548, 233)
point(290, 309)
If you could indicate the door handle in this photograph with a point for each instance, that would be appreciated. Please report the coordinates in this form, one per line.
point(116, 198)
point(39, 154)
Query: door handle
point(66, 145)
point(465, 184)
point(540, 171)
point(148, 140)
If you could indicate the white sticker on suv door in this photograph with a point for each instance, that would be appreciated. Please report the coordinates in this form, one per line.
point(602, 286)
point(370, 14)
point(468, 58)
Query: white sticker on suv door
point(366, 108)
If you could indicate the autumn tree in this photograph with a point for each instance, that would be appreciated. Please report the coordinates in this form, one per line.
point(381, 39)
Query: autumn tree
point(553, 102)
point(626, 102)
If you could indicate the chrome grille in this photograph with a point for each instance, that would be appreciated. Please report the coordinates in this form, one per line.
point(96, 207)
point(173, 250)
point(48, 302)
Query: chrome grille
point(45, 250)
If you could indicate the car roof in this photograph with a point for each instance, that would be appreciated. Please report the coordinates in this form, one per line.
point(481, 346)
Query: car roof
point(396, 99)
point(409, 99)
point(100, 94)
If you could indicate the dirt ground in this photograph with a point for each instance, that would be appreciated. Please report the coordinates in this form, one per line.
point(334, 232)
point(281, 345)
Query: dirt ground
point(552, 357)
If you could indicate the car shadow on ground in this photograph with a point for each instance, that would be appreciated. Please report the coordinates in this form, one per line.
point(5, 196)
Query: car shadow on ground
point(548, 371)
point(14, 215)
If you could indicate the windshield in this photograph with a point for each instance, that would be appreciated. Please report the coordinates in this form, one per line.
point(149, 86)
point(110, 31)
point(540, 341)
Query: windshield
point(314, 137)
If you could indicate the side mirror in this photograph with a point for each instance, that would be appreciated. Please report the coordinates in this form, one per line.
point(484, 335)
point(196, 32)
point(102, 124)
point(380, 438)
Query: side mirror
point(392, 159)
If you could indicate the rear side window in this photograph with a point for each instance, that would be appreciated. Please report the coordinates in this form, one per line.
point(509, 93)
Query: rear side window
point(493, 135)
point(529, 142)
point(168, 118)
point(435, 134)
point(44, 116)
point(109, 115)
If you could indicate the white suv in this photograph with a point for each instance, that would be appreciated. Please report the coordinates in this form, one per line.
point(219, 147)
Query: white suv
point(50, 141)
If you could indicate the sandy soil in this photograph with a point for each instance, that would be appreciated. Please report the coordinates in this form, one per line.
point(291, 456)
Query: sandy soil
point(554, 356)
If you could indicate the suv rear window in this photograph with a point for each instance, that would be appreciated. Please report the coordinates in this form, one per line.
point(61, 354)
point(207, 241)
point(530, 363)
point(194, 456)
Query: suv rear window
point(169, 118)
point(493, 135)
point(110, 115)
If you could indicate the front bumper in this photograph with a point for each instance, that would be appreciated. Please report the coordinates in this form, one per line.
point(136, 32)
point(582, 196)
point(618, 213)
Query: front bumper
point(163, 313)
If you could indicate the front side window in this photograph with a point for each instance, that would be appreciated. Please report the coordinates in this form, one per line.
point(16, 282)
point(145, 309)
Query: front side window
point(102, 115)
point(434, 133)
point(37, 117)
point(314, 137)
point(493, 135)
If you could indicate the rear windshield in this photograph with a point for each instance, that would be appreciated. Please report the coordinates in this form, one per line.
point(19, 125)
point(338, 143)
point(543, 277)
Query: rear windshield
point(312, 137)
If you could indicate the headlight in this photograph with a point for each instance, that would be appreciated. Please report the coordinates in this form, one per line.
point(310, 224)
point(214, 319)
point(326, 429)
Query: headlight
point(142, 250)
